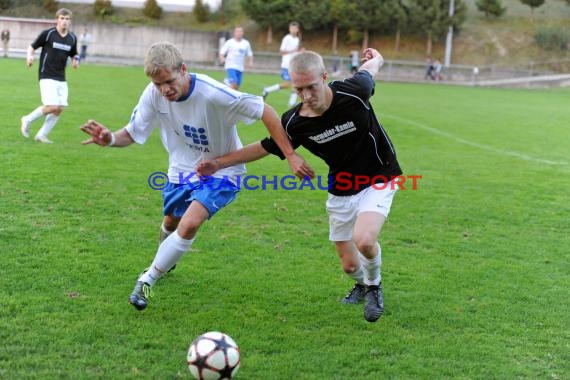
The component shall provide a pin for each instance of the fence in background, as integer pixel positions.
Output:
(125, 45)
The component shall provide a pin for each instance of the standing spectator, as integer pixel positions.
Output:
(436, 70)
(429, 68)
(233, 54)
(354, 61)
(289, 45)
(84, 41)
(58, 44)
(5, 41)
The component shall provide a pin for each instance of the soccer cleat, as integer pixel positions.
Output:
(25, 127)
(355, 296)
(264, 94)
(43, 139)
(139, 296)
(373, 303)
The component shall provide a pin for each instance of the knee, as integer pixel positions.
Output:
(348, 268)
(187, 230)
(366, 245)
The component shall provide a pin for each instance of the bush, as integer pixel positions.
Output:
(552, 38)
(201, 11)
(5, 4)
(103, 8)
(51, 5)
(152, 9)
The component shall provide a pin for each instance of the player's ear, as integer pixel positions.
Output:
(183, 68)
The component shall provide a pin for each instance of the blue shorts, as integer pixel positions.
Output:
(285, 75)
(212, 193)
(234, 76)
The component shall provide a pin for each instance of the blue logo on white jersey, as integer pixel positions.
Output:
(196, 134)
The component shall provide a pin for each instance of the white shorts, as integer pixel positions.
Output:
(54, 92)
(344, 210)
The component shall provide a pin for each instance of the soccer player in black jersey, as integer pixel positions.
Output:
(58, 44)
(336, 122)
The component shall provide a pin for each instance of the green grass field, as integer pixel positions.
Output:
(475, 261)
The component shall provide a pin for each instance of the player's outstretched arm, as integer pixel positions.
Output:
(102, 136)
(251, 152)
(298, 165)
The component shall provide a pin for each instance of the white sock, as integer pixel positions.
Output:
(49, 123)
(273, 88)
(34, 115)
(168, 254)
(358, 274)
(372, 274)
(292, 99)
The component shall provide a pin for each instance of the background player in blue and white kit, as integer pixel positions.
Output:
(336, 122)
(196, 117)
(290, 44)
(58, 44)
(233, 55)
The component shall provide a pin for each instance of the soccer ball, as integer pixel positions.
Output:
(213, 355)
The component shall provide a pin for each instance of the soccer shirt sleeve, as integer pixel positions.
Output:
(143, 118)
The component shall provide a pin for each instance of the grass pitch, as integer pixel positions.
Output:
(475, 261)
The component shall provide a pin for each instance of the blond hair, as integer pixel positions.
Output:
(162, 56)
(307, 62)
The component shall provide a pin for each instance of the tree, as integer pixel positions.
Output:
(152, 9)
(51, 5)
(201, 11)
(491, 7)
(338, 9)
(103, 8)
(6, 4)
(431, 18)
(270, 14)
(532, 4)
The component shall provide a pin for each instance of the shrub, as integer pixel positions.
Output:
(103, 8)
(51, 5)
(552, 38)
(152, 9)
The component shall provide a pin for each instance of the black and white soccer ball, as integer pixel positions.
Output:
(213, 356)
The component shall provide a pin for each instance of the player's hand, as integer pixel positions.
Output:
(207, 168)
(300, 167)
(370, 53)
(99, 134)
(29, 61)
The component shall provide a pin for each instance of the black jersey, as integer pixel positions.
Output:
(348, 137)
(55, 52)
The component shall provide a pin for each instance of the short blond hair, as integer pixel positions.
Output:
(307, 62)
(162, 56)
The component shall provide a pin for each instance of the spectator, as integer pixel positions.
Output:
(84, 41)
(6, 41)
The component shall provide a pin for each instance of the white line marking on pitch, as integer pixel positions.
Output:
(476, 145)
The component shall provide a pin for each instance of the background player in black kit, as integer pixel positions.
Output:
(58, 44)
(336, 122)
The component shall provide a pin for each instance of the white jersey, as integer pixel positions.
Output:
(235, 52)
(200, 126)
(289, 43)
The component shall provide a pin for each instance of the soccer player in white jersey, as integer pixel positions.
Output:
(233, 54)
(196, 117)
(289, 45)
(58, 45)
